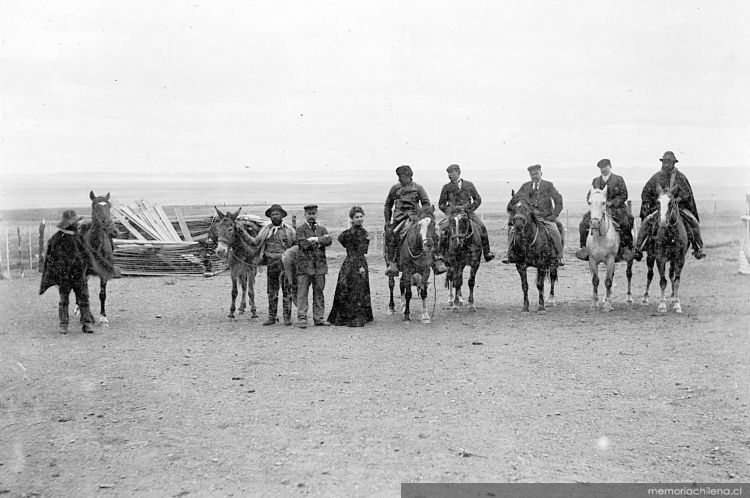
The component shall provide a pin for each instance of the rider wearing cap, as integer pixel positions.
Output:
(617, 196)
(403, 201)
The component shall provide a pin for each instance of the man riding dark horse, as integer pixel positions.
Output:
(617, 196)
(402, 203)
(460, 193)
(667, 177)
(547, 204)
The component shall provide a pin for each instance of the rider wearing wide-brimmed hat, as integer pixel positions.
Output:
(669, 176)
(65, 265)
(403, 201)
(274, 239)
(617, 197)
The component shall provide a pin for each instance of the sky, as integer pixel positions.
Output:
(172, 87)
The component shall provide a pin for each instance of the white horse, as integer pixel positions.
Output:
(603, 243)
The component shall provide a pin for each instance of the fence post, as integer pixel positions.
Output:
(31, 249)
(7, 253)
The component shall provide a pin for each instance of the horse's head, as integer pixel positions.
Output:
(426, 224)
(226, 230)
(666, 205)
(519, 210)
(100, 207)
(459, 227)
(597, 200)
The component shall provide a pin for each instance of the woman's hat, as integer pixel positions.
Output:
(275, 207)
(69, 217)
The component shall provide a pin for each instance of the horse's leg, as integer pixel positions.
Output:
(405, 285)
(676, 306)
(243, 288)
(422, 286)
(661, 266)
(472, 281)
(458, 281)
(251, 293)
(671, 279)
(521, 267)
(552, 279)
(540, 275)
(234, 296)
(594, 268)
(649, 276)
(449, 285)
(629, 275)
(607, 303)
(102, 300)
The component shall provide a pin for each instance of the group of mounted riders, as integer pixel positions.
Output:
(407, 196)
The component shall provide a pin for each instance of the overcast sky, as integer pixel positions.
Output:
(193, 86)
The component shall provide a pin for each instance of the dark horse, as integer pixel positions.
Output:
(97, 240)
(464, 248)
(669, 244)
(243, 258)
(531, 245)
(414, 262)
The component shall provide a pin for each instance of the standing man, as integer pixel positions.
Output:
(274, 239)
(65, 265)
(312, 267)
(462, 193)
(403, 201)
(547, 204)
(669, 176)
(617, 196)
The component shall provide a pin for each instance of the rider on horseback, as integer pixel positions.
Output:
(462, 193)
(547, 204)
(402, 203)
(617, 195)
(667, 177)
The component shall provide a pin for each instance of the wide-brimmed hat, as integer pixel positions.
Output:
(668, 155)
(405, 169)
(603, 163)
(275, 207)
(534, 167)
(69, 217)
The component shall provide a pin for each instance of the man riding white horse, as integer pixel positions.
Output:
(667, 177)
(617, 196)
(402, 203)
(460, 193)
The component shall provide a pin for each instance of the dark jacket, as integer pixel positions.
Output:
(617, 194)
(405, 199)
(311, 258)
(65, 262)
(547, 201)
(683, 191)
(452, 196)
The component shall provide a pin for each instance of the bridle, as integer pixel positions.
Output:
(458, 237)
(597, 223)
(229, 243)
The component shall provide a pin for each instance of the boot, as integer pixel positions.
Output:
(698, 252)
(626, 246)
(287, 312)
(86, 320)
(582, 254)
(488, 254)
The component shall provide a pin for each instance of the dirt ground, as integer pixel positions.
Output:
(175, 399)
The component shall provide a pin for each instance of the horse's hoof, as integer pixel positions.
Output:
(390, 312)
(525, 310)
(629, 299)
(551, 301)
(541, 311)
(230, 315)
(103, 321)
(678, 309)
(426, 321)
(607, 308)
(406, 319)
(662, 308)
(594, 306)
(472, 309)
(644, 301)
(240, 311)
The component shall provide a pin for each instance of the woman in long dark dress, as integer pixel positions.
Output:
(351, 303)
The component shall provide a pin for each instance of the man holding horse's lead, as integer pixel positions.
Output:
(547, 204)
(617, 197)
(669, 177)
(460, 193)
(402, 203)
(274, 239)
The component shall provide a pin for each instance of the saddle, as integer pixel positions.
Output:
(400, 230)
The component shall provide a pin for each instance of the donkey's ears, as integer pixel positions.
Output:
(221, 215)
(106, 197)
(91, 195)
(235, 214)
(512, 193)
